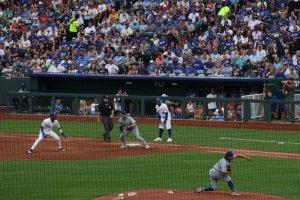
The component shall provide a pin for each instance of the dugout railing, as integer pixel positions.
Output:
(143, 106)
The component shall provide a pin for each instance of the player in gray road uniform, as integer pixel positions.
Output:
(221, 171)
(130, 127)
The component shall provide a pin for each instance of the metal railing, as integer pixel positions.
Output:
(139, 109)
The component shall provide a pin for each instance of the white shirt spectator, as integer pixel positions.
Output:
(52, 31)
(252, 23)
(247, 18)
(294, 28)
(239, 39)
(212, 105)
(193, 16)
(93, 12)
(112, 68)
(52, 69)
(261, 53)
(256, 35)
(88, 30)
(124, 17)
(125, 32)
(2, 52)
(17, 18)
(102, 7)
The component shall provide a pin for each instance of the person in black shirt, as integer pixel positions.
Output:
(105, 113)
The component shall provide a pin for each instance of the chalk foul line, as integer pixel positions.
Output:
(262, 141)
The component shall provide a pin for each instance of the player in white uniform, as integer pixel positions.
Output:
(130, 127)
(221, 171)
(164, 117)
(46, 129)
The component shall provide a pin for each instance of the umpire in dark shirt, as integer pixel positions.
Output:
(105, 113)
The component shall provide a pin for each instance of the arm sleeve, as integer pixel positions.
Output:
(158, 115)
(42, 129)
(166, 116)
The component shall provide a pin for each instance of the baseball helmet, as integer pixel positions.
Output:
(53, 113)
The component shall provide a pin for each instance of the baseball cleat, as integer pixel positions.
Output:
(198, 190)
(29, 151)
(123, 146)
(235, 193)
(169, 140)
(147, 146)
(104, 137)
(61, 149)
(108, 139)
(158, 139)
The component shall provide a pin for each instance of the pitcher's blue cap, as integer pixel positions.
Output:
(229, 154)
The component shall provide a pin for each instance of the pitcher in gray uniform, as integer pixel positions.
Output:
(221, 171)
(129, 124)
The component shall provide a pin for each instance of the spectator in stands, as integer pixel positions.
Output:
(289, 92)
(58, 106)
(211, 105)
(275, 107)
(247, 26)
(94, 107)
(83, 108)
(73, 28)
(118, 103)
(231, 113)
(190, 109)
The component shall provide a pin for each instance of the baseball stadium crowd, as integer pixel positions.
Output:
(215, 38)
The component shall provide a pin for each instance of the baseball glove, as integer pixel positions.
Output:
(228, 168)
(129, 128)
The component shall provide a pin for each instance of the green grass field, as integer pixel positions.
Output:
(23, 179)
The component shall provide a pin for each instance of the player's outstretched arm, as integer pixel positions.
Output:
(243, 156)
(42, 130)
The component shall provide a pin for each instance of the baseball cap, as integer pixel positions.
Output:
(124, 113)
(105, 97)
(229, 154)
